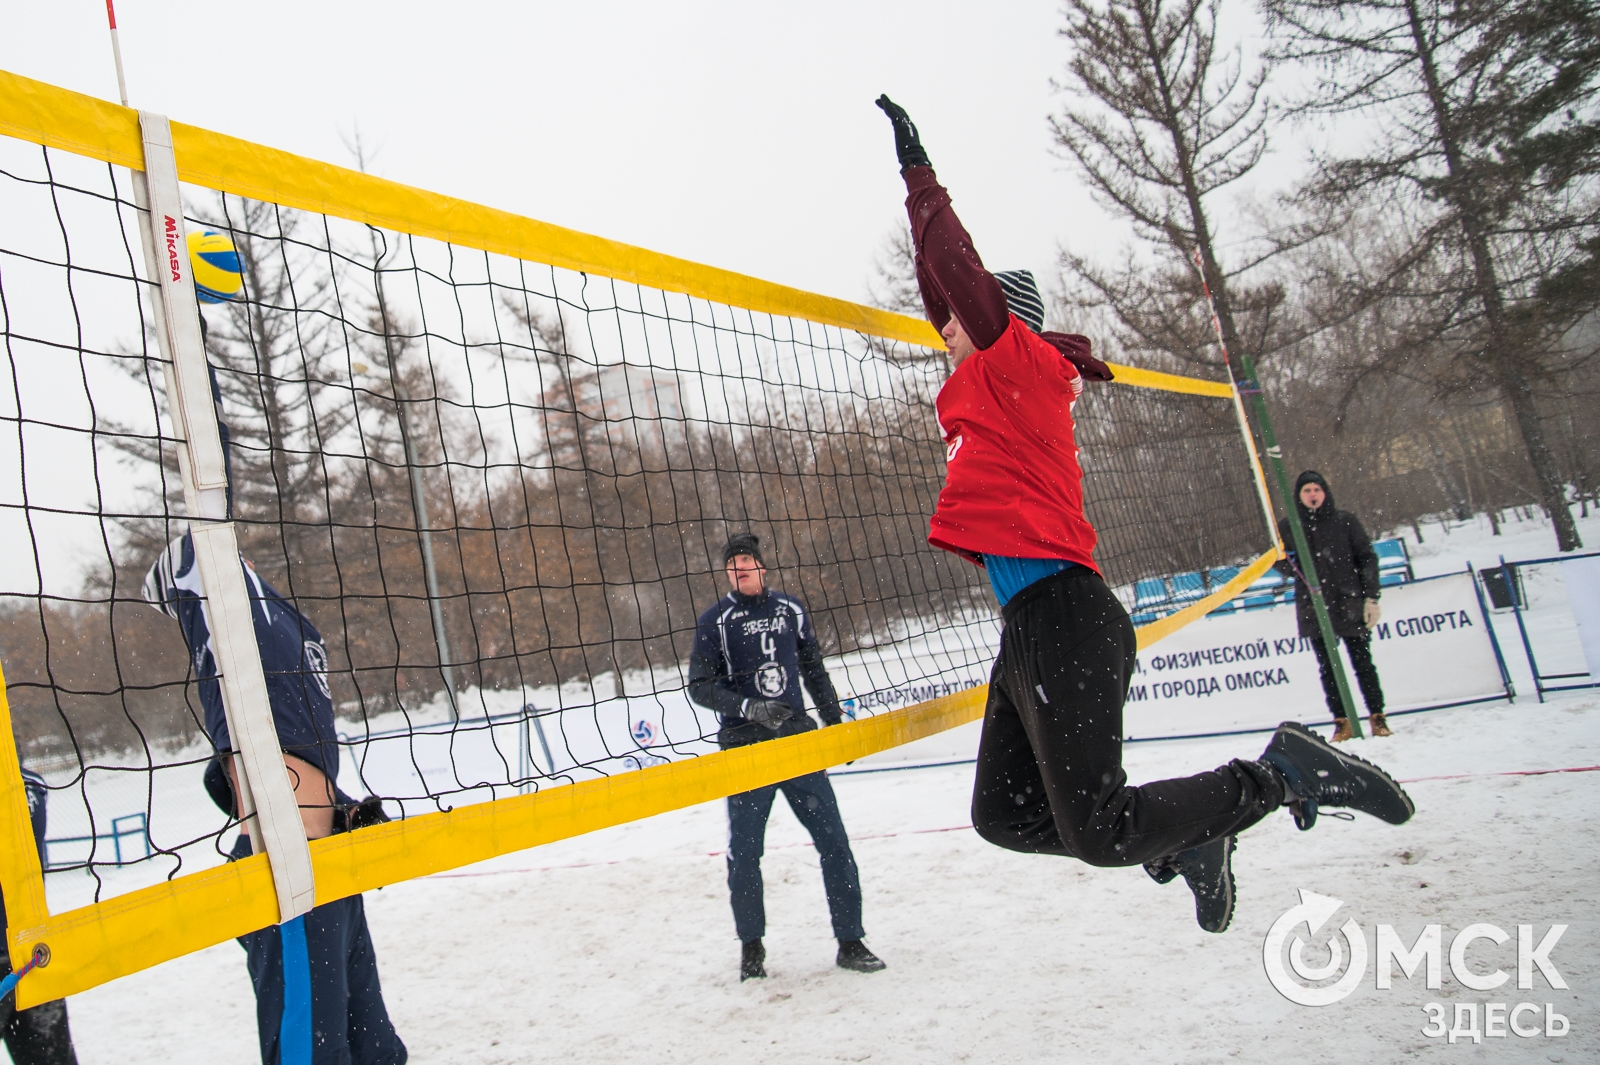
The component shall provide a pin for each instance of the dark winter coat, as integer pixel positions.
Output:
(759, 647)
(1347, 566)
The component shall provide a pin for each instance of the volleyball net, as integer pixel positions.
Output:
(493, 462)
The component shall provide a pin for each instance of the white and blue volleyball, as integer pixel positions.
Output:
(214, 262)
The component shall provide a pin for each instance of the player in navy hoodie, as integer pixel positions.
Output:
(752, 650)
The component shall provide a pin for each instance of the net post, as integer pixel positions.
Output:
(1256, 472)
(1303, 559)
(266, 800)
(21, 875)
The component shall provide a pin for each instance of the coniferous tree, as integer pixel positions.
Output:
(1164, 117)
(1487, 136)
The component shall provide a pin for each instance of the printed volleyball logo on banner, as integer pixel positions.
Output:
(644, 732)
(1313, 912)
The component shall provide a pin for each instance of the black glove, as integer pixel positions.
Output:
(769, 712)
(907, 145)
(368, 811)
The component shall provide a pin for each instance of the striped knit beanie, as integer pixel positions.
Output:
(1022, 297)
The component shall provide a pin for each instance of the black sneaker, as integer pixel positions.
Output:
(1319, 774)
(1208, 870)
(854, 955)
(752, 962)
(1163, 870)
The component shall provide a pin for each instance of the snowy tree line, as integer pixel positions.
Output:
(576, 535)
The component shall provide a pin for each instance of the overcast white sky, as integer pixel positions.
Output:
(737, 134)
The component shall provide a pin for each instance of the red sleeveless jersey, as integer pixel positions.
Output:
(1013, 485)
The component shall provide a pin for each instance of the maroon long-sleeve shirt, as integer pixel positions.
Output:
(1013, 485)
(952, 277)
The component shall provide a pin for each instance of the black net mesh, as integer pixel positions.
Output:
(499, 490)
(1167, 484)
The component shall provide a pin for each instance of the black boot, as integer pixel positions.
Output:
(854, 955)
(1208, 870)
(752, 963)
(1318, 774)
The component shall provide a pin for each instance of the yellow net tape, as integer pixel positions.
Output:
(59, 118)
(93, 944)
(1164, 627)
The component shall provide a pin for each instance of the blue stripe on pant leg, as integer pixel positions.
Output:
(294, 1028)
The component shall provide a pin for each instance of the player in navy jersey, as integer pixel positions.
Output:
(752, 651)
(316, 977)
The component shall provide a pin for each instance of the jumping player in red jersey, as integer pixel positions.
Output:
(1049, 775)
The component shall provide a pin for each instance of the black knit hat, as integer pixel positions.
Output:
(742, 544)
(1313, 477)
(1022, 297)
(1310, 477)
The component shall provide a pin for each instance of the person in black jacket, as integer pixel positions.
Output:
(1347, 569)
(751, 652)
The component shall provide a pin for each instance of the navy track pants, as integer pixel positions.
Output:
(317, 996)
(812, 800)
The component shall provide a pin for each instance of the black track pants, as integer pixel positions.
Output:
(38, 1035)
(1049, 774)
(1360, 648)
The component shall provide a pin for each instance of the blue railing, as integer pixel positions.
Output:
(135, 825)
(1156, 597)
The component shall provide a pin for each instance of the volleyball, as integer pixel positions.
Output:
(216, 266)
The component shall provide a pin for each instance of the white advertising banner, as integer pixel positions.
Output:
(1251, 670)
(1583, 592)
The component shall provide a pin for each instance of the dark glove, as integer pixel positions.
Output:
(368, 811)
(907, 145)
(769, 712)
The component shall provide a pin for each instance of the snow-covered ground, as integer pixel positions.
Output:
(619, 947)
(1448, 546)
